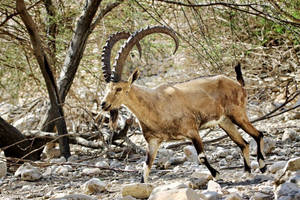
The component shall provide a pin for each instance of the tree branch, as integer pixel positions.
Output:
(48, 76)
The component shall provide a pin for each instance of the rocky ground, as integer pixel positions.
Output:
(95, 174)
(114, 172)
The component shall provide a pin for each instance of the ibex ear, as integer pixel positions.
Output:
(134, 76)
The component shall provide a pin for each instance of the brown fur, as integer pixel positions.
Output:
(177, 111)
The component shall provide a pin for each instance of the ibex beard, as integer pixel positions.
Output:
(178, 111)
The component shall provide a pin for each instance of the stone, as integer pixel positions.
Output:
(191, 153)
(295, 179)
(73, 159)
(3, 165)
(93, 186)
(91, 171)
(254, 165)
(73, 197)
(178, 194)
(102, 164)
(172, 186)
(289, 135)
(137, 190)
(28, 173)
(293, 164)
(269, 145)
(29, 121)
(223, 162)
(127, 198)
(58, 160)
(277, 166)
(233, 196)
(287, 189)
(221, 152)
(163, 160)
(260, 196)
(214, 186)
(199, 180)
(63, 170)
(211, 195)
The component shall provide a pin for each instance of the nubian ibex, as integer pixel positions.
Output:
(177, 111)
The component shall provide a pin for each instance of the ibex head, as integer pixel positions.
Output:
(117, 89)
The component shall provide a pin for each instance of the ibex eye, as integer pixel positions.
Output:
(118, 89)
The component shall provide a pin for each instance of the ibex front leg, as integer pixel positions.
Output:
(152, 148)
(197, 142)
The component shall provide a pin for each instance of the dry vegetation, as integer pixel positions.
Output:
(212, 40)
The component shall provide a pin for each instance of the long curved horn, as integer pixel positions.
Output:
(106, 52)
(134, 38)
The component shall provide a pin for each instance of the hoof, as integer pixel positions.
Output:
(216, 176)
(264, 169)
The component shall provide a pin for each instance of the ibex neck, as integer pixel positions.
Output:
(140, 100)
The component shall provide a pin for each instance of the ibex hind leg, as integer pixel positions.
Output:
(201, 156)
(243, 122)
(235, 136)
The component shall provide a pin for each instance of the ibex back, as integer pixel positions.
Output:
(177, 111)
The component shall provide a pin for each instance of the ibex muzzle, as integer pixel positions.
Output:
(177, 111)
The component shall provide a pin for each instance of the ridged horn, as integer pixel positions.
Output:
(135, 38)
(106, 52)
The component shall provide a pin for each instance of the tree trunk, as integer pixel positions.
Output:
(45, 67)
(84, 28)
(19, 146)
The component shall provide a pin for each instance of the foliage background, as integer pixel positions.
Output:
(212, 40)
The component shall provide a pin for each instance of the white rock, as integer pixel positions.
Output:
(260, 196)
(50, 170)
(72, 197)
(58, 160)
(277, 166)
(223, 162)
(102, 163)
(73, 159)
(94, 185)
(200, 180)
(289, 135)
(191, 153)
(269, 145)
(115, 164)
(286, 190)
(172, 186)
(177, 194)
(293, 164)
(63, 170)
(211, 195)
(164, 156)
(91, 171)
(254, 165)
(29, 121)
(221, 152)
(3, 166)
(137, 190)
(28, 172)
(127, 198)
(214, 186)
(229, 158)
(233, 196)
